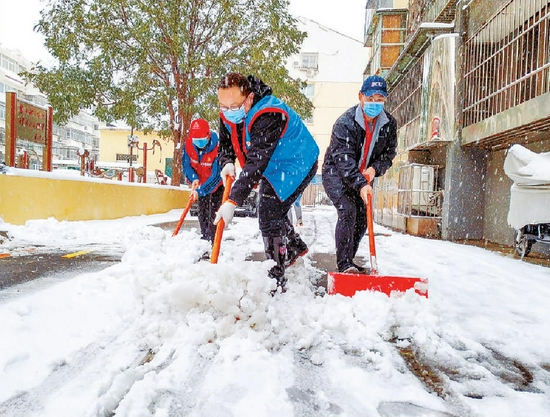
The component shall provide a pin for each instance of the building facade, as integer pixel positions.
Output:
(146, 151)
(472, 79)
(80, 133)
(332, 65)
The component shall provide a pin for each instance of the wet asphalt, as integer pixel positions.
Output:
(25, 264)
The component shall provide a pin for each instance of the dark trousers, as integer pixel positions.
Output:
(208, 206)
(273, 213)
(350, 227)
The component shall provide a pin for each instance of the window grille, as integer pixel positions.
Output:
(506, 61)
(405, 98)
(418, 193)
(309, 61)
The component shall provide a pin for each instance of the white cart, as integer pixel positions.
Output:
(529, 212)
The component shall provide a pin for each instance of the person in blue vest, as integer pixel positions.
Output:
(202, 169)
(275, 149)
(362, 146)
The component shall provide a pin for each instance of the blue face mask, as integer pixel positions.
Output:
(373, 109)
(200, 142)
(235, 116)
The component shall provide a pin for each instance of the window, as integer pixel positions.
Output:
(309, 61)
(308, 91)
(9, 64)
(6, 88)
(75, 135)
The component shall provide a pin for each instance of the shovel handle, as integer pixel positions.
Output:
(182, 218)
(221, 224)
(370, 230)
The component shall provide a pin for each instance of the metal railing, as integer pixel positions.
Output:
(418, 193)
(506, 61)
(404, 99)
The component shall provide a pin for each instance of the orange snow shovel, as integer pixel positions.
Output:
(184, 214)
(348, 284)
(221, 224)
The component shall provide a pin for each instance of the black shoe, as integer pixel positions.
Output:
(294, 250)
(276, 250)
(361, 269)
(281, 284)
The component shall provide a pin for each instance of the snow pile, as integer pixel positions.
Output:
(163, 334)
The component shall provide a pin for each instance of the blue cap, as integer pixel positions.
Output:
(374, 85)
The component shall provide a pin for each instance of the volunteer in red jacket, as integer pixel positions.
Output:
(202, 169)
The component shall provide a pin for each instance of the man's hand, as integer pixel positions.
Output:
(228, 169)
(369, 174)
(194, 185)
(226, 212)
(365, 191)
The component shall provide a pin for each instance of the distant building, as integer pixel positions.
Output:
(332, 64)
(80, 133)
(114, 152)
(385, 33)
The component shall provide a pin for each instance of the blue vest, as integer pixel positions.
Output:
(295, 153)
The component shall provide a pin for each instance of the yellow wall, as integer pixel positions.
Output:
(24, 198)
(401, 4)
(113, 141)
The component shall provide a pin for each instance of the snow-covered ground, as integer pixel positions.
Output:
(160, 334)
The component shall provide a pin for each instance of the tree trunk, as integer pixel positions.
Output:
(176, 167)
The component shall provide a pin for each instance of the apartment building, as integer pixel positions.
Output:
(470, 80)
(81, 132)
(332, 65)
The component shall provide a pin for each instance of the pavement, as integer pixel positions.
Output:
(26, 264)
(29, 263)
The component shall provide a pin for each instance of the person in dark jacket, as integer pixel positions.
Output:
(272, 144)
(362, 146)
(202, 169)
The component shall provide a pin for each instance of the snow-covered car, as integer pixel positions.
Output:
(249, 208)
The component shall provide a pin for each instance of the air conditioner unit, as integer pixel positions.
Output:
(296, 64)
(423, 177)
(310, 72)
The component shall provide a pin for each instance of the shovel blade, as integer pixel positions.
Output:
(349, 284)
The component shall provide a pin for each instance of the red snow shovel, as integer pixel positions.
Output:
(221, 224)
(184, 214)
(348, 284)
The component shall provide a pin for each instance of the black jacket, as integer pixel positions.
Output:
(343, 156)
(269, 128)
